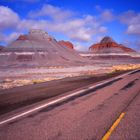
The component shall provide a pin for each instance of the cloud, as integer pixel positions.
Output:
(133, 29)
(9, 38)
(82, 34)
(130, 17)
(8, 18)
(80, 47)
(27, 24)
(98, 8)
(107, 15)
(55, 13)
(132, 20)
(79, 29)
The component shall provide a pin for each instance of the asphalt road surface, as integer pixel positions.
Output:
(87, 115)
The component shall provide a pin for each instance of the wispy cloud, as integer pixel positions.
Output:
(8, 18)
(54, 12)
(132, 20)
(107, 15)
(8, 39)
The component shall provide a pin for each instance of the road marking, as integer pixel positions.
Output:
(39, 107)
(58, 100)
(115, 124)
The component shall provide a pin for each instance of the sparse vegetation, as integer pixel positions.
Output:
(125, 67)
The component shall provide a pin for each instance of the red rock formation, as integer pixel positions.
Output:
(22, 37)
(108, 45)
(66, 44)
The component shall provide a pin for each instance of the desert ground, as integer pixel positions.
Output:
(13, 77)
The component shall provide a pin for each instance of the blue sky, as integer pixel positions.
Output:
(83, 22)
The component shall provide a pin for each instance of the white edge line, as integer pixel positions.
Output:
(58, 100)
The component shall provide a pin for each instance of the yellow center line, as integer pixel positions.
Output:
(115, 124)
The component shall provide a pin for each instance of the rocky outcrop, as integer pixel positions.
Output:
(66, 44)
(108, 45)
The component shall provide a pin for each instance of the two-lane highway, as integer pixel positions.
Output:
(87, 115)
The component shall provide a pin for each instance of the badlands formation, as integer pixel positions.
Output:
(38, 48)
(108, 49)
(108, 45)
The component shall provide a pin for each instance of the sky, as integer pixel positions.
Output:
(83, 22)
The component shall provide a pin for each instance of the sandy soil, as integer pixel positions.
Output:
(14, 77)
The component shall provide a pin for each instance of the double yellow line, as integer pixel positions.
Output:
(115, 124)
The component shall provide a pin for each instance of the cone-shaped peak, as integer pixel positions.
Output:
(107, 39)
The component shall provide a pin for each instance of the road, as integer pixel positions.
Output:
(86, 115)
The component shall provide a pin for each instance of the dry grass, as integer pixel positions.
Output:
(125, 67)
